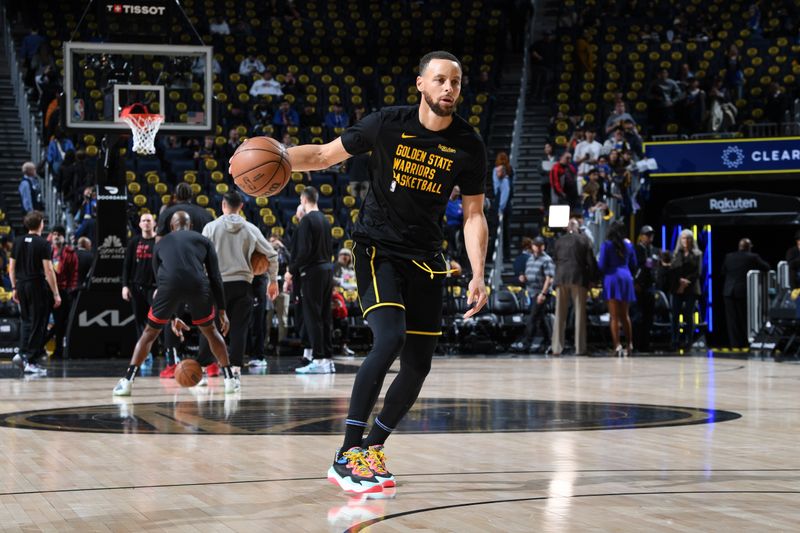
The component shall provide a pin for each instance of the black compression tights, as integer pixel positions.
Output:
(389, 339)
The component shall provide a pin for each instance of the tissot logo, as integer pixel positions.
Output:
(132, 9)
(728, 205)
(107, 319)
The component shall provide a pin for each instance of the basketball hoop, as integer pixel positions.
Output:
(144, 126)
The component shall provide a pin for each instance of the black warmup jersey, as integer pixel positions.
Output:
(312, 244)
(138, 266)
(181, 261)
(28, 252)
(412, 172)
(199, 216)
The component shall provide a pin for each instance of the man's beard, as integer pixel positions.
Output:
(436, 108)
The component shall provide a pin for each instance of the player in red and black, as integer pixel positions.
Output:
(138, 277)
(419, 153)
(187, 273)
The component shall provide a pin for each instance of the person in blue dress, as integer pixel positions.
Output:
(617, 262)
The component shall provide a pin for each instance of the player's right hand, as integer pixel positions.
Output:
(224, 323)
(178, 327)
(126, 294)
(56, 301)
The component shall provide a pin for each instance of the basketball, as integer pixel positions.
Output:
(259, 263)
(188, 373)
(260, 166)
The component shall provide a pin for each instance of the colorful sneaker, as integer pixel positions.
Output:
(377, 463)
(123, 387)
(351, 472)
(212, 370)
(168, 372)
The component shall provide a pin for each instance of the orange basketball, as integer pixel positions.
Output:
(188, 373)
(261, 167)
(259, 263)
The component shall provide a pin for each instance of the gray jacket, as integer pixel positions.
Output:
(235, 240)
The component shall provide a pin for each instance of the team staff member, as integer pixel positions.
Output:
(65, 265)
(312, 250)
(419, 153)
(734, 270)
(31, 271)
(234, 241)
(187, 272)
(138, 278)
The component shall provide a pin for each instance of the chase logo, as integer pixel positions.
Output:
(447, 149)
(732, 157)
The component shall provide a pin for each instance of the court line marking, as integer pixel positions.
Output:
(362, 525)
(420, 474)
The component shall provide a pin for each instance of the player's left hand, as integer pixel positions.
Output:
(178, 327)
(476, 296)
(272, 290)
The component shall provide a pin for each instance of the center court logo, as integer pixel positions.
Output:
(732, 157)
(111, 248)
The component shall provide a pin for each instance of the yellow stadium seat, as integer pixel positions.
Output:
(152, 178)
(139, 200)
(166, 199)
(161, 188)
(196, 188)
(134, 188)
(222, 188)
(202, 200)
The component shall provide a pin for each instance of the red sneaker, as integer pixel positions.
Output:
(212, 370)
(169, 372)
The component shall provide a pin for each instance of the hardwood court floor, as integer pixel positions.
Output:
(189, 474)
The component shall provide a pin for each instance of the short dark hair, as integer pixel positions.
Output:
(61, 230)
(33, 220)
(183, 192)
(233, 199)
(438, 54)
(310, 194)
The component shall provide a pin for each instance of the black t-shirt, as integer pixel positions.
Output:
(181, 261)
(412, 172)
(138, 266)
(199, 216)
(28, 252)
(312, 243)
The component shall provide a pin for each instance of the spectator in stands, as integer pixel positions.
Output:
(503, 183)
(686, 268)
(663, 95)
(694, 107)
(290, 84)
(734, 75)
(281, 304)
(575, 269)
(644, 281)
(285, 116)
(309, 117)
(618, 117)
(593, 205)
(344, 275)
(543, 57)
(65, 265)
(207, 151)
(358, 170)
(225, 151)
(86, 214)
(259, 117)
(584, 53)
(219, 26)
(5, 250)
(339, 314)
(722, 113)
(358, 113)
(548, 161)
(776, 105)
(564, 182)
(454, 213)
(337, 118)
(251, 65)
(266, 85)
(59, 145)
(48, 84)
(525, 251)
(85, 260)
(734, 271)
(30, 189)
(538, 278)
(617, 264)
(615, 141)
(199, 67)
(30, 46)
(64, 178)
(586, 154)
(633, 138)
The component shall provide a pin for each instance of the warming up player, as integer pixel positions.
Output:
(187, 272)
(418, 154)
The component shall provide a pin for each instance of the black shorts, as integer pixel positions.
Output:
(167, 302)
(414, 286)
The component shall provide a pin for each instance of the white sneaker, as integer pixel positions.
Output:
(257, 363)
(33, 368)
(237, 371)
(232, 385)
(347, 351)
(317, 366)
(203, 381)
(123, 387)
(19, 361)
(331, 366)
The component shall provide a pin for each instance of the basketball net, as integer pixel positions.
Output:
(144, 127)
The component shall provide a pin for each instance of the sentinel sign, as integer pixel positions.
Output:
(726, 157)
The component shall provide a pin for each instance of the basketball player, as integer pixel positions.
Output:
(138, 278)
(418, 154)
(187, 272)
